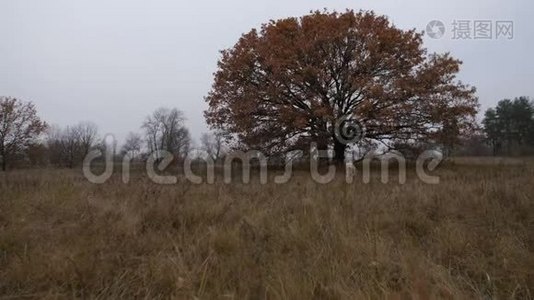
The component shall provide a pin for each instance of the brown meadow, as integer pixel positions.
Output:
(471, 236)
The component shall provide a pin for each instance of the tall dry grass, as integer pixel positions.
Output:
(471, 236)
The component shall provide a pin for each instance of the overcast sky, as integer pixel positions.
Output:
(114, 62)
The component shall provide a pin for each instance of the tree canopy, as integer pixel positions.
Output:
(509, 127)
(296, 80)
(19, 127)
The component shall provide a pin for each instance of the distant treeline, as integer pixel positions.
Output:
(509, 127)
(506, 130)
(26, 141)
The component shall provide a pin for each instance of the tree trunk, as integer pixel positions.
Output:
(3, 154)
(4, 162)
(322, 146)
(339, 151)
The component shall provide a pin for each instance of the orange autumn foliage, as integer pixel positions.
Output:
(286, 85)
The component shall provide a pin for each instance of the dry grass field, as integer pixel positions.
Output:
(471, 236)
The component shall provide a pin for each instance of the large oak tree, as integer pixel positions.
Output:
(297, 79)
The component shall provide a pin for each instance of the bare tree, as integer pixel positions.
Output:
(133, 145)
(69, 146)
(55, 145)
(19, 127)
(213, 144)
(165, 130)
(181, 142)
(107, 145)
(87, 134)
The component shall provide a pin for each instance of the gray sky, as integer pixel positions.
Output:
(114, 62)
